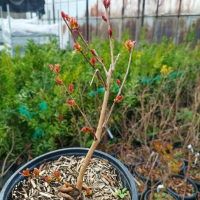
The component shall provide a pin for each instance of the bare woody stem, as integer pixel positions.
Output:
(120, 89)
(86, 120)
(98, 134)
(98, 76)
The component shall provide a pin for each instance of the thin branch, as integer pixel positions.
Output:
(98, 73)
(111, 45)
(98, 76)
(113, 67)
(86, 120)
(96, 55)
(120, 89)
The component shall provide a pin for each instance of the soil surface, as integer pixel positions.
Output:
(179, 186)
(155, 174)
(100, 177)
(194, 173)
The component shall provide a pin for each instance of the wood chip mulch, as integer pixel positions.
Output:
(100, 177)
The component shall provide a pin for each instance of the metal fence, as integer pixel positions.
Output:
(170, 18)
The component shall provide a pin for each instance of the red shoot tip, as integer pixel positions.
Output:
(63, 15)
(118, 99)
(106, 3)
(104, 18)
(71, 103)
(71, 86)
(36, 172)
(93, 60)
(57, 175)
(110, 32)
(75, 31)
(93, 52)
(26, 172)
(118, 82)
(58, 80)
(48, 180)
(86, 130)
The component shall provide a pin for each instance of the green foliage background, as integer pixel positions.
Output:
(27, 82)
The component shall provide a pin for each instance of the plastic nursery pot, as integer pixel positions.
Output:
(186, 197)
(126, 177)
(144, 178)
(149, 191)
(197, 184)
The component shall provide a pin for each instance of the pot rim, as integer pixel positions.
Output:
(53, 155)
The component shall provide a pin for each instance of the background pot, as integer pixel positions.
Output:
(197, 184)
(126, 177)
(149, 191)
(179, 196)
(144, 178)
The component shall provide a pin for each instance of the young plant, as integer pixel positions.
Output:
(72, 25)
(122, 193)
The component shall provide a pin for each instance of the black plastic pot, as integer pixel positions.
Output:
(127, 178)
(149, 191)
(144, 178)
(197, 184)
(179, 196)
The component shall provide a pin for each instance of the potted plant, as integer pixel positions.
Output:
(47, 174)
(194, 174)
(181, 187)
(162, 195)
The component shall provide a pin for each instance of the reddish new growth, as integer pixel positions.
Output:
(75, 31)
(93, 60)
(71, 103)
(106, 3)
(57, 68)
(86, 130)
(77, 47)
(26, 172)
(104, 18)
(93, 52)
(64, 16)
(36, 172)
(57, 175)
(88, 192)
(71, 86)
(48, 179)
(110, 32)
(67, 185)
(73, 23)
(118, 82)
(58, 80)
(118, 99)
(129, 45)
